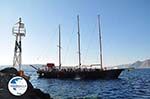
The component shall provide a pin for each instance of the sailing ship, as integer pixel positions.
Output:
(51, 71)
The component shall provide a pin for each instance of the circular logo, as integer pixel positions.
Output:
(17, 86)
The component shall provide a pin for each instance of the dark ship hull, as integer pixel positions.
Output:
(78, 74)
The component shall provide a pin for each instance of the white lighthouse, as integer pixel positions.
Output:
(18, 31)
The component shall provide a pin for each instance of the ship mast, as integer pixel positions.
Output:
(79, 43)
(59, 46)
(100, 43)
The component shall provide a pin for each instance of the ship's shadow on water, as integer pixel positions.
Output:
(130, 85)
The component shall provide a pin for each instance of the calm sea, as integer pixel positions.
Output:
(134, 84)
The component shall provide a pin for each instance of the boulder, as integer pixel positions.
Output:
(31, 93)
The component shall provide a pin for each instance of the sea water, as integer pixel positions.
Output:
(134, 84)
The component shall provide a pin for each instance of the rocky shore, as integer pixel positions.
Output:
(31, 93)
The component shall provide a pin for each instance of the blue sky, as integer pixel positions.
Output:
(125, 26)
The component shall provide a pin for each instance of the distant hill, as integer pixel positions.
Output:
(137, 64)
(141, 64)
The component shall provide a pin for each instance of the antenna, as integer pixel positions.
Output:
(79, 42)
(18, 31)
(100, 42)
